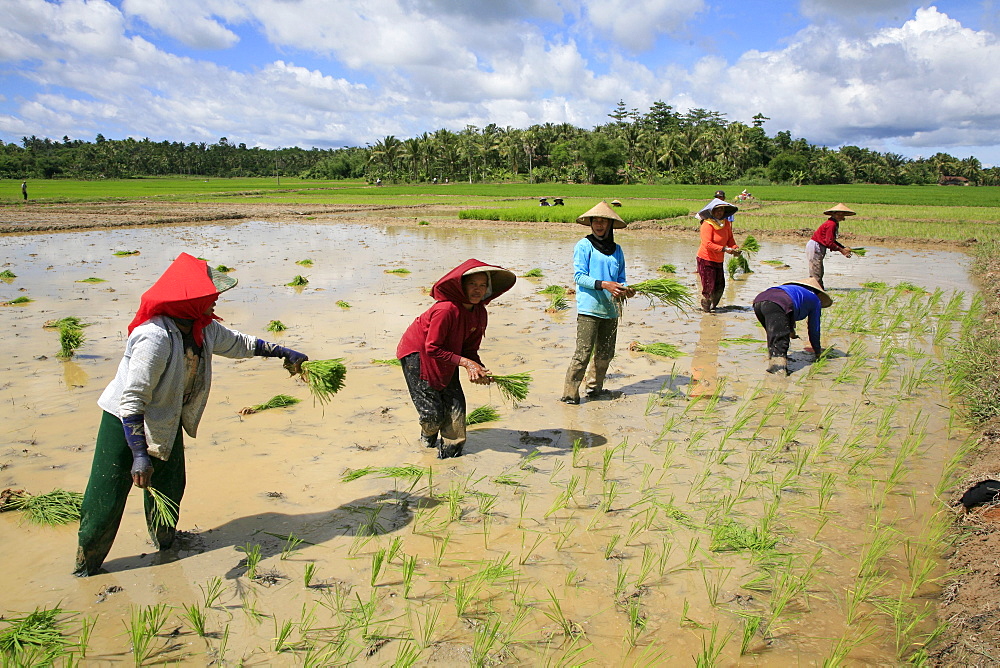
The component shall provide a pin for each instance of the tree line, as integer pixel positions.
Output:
(660, 145)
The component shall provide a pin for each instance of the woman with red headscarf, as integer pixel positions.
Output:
(445, 337)
(161, 386)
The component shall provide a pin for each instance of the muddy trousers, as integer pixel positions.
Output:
(713, 281)
(815, 254)
(778, 325)
(109, 487)
(595, 344)
(439, 411)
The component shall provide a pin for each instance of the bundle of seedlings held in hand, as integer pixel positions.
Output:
(513, 387)
(482, 414)
(165, 510)
(324, 378)
(741, 263)
(667, 291)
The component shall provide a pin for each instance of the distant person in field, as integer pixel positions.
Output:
(447, 336)
(721, 194)
(24, 190)
(599, 274)
(824, 239)
(716, 241)
(779, 308)
(159, 392)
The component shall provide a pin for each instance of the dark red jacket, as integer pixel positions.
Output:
(826, 235)
(447, 331)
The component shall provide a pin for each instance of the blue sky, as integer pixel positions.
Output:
(892, 75)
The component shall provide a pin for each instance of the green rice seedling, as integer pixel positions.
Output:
(609, 549)
(646, 566)
(465, 592)
(569, 628)
(714, 582)
(735, 537)
(298, 281)
(907, 286)
(378, 561)
(324, 378)
(92, 279)
(666, 291)
(281, 634)
(621, 581)
(738, 264)
(564, 535)
(87, 625)
(441, 548)
(304, 263)
(485, 639)
(712, 648)
(508, 479)
(398, 270)
(863, 589)
(291, 546)
(423, 626)
(423, 222)
(667, 269)
(276, 326)
(860, 252)
(195, 618)
(224, 269)
(407, 569)
(7, 275)
(68, 321)
(389, 362)
(253, 556)
(52, 508)
(853, 638)
(533, 273)
(485, 413)
(343, 304)
(37, 638)
(557, 303)
(277, 401)
(144, 624)
(553, 290)
(211, 591)
(18, 300)
(123, 253)
(659, 349)
(164, 510)
(752, 624)
(308, 574)
(608, 496)
(513, 387)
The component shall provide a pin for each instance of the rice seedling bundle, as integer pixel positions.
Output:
(668, 291)
(53, 508)
(391, 362)
(557, 303)
(276, 326)
(342, 304)
(661, 349)
(277, 401)
(482, 414)
(224, 269)
(70, 338)
(324, 378)
(513, 387)
(860, 252)
(92, 279)
(165, 511)
(40, 629)
(298, 281)
(7, 274)
(552, 290)
(305, 263)
(68, 321)
(406, 472)
(750, 244)
(532, 273)
(667, 269)
(123, 253)
(18, 300)
(737, 264)
(774, 263)
(398, 270)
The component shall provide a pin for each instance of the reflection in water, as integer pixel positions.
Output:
(704, 362)
(74, 375)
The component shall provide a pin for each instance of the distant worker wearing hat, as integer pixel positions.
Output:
(159, 392)
(716, 241)
(824, 239)
(599, 274)
(721, 194)
(779, 308)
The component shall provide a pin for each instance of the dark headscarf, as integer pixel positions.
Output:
(606, 245)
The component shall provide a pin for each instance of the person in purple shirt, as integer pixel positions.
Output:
(780, 307)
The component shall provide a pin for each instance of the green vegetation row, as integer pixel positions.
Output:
(569, 214)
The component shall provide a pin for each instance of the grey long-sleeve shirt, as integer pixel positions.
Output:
(151, 379)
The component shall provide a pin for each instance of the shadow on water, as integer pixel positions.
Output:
(379, 514)
(548, 441)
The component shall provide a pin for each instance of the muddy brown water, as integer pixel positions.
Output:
(673, 475)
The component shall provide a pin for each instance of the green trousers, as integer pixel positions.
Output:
(108, 488)
(595, 345)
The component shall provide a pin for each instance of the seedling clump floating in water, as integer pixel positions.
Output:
(342, 304)
(533, 273)
(298, 281)
(92, 279)
(276, 326)
(398, 270)
(277, 401)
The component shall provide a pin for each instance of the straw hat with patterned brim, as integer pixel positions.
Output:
(602, 210)
(501, 280)
(811, 283)
(221, 280)
(840, 208)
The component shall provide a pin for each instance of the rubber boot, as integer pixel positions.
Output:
(778, 365)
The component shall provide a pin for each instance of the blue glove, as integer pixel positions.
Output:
(293, 358)
(135, 436)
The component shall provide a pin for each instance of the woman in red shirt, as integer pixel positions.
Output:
(716, 240)
(824, 239)
(445, 337)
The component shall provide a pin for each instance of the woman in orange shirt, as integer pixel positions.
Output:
(716, 240)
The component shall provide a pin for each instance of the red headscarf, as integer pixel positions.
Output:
(184, 291)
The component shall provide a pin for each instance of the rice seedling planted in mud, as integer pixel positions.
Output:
(277, 401)
(298, 281)
(513, 387)
(482, 414)
(659, 349)
(144, 624)
(195, 618)
(164, 509)
(324, 377)
(667, 291)
(52, 508)
(252, 550)
(212, 590)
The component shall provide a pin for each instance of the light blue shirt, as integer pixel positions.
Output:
(590, 265)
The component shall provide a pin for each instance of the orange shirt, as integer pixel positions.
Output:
(713, 240)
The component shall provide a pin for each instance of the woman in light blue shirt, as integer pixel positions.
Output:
(599, 274)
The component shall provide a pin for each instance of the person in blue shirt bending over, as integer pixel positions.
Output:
(599, 274)
(779, 308)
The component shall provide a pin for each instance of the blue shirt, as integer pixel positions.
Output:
(591, 265)
(804, 306)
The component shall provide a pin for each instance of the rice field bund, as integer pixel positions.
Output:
(711, 515)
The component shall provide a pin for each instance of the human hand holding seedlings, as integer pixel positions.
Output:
(293, 358)
(478, 374)
(135, 437)
(846, 252)
(732, 250)
(616, 289)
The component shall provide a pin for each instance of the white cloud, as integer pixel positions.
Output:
(636, 24)
(187, 21)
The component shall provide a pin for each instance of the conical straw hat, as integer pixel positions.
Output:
(811, 283)
(840, 208)
(602, 210)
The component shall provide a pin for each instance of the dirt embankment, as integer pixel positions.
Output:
(970, 602)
